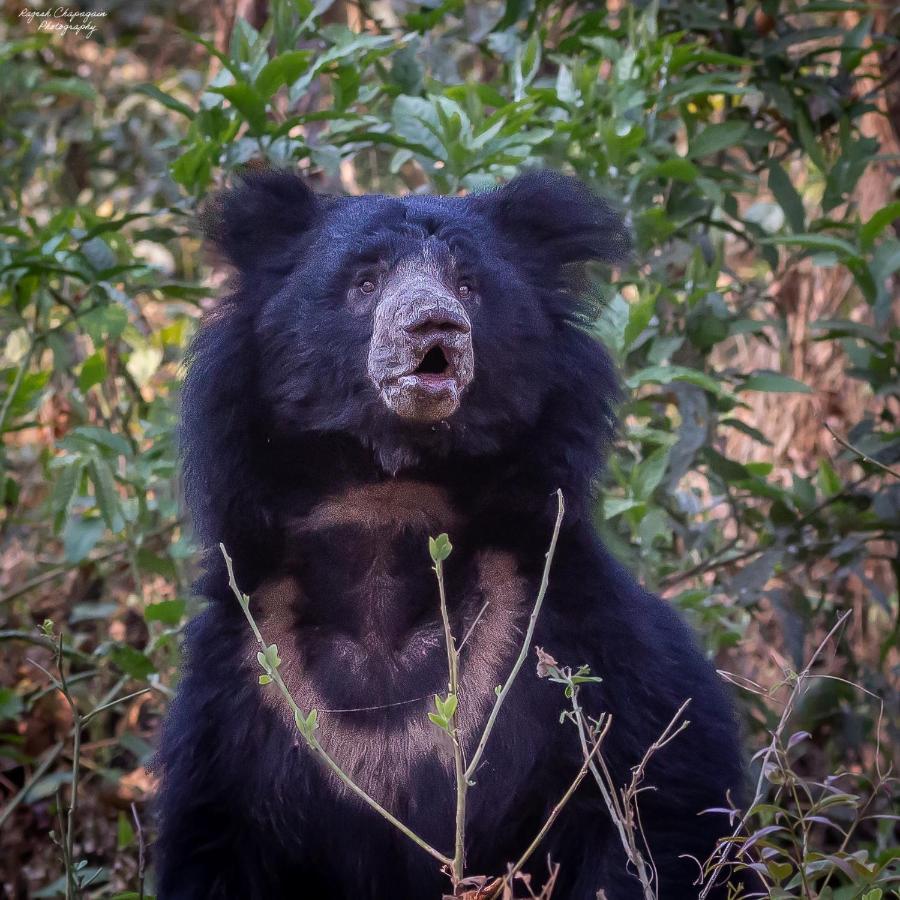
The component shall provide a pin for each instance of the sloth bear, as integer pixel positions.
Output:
(386, 369)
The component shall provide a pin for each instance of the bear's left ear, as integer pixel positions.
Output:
(257, 222)
(557, 216)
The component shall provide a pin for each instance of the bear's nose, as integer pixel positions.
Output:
(437, 318)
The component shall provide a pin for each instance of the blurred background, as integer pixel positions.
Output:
(755, 149)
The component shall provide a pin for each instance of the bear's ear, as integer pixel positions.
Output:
(256, 223)
(558, 216)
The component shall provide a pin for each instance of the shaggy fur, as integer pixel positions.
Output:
(325, 498)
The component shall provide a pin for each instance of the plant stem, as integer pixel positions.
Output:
(864, 456)
(98, 709)
(17, 383)
(526, 644)
(67, 840)
(60, 570)
(50, 758)
(720, 857)
(310, 738)
(554, 813)
(141, 848)
(459, 762)
(620, 816)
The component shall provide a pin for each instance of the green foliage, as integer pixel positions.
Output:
(736, 152)
(439, 548)
(444, 711)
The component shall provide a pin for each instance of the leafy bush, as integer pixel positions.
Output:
(760, 313)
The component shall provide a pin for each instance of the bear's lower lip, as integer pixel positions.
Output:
(429, 383)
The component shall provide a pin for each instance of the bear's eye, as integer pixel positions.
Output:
(464, 290)
(367, 286)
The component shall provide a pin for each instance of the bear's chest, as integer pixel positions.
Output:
(356, 618)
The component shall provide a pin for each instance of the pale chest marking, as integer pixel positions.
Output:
(378, 751)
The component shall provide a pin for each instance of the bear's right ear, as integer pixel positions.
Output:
(257, 222)
(556, 217)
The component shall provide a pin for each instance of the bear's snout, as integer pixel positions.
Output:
(420, 357)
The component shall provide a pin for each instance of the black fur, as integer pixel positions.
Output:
(278, 415)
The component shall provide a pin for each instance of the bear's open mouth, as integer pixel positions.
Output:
(433, 363)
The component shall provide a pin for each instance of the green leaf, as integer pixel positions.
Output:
(879, 221)
(80, 536)
(446, 707)
(124, 832)
(148, 561)
(131, 661)
(10, 703)
(265, 679)
(668, 374)
(105, 492)
(247, 102)
(167, 100)
(786, 194)
(283, 69)
(308, 724)
(676, 168)
(104, 324)
(106, 440)
(649, 473)
(774, 382)
(717, 137)
(64, 487)
(829, 480)
(615, 506)
(192, 169)
(73, 87)
(168, 612)
(724, 467)
(439, 548)
(93, 371)
(639, 316)
(814, 242)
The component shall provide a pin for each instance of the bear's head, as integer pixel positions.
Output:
(420, 328)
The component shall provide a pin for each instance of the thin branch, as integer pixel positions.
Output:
(308, 734)
(459, 762)
(52, 755)
(40, 640)
(526, 643)
(619, 812)
(58, 571)
(864, 456)
(141, 850)
(720, 856)
(477, 619)
(86, 718)
(554, 813)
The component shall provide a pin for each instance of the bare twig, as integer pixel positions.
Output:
(459, 762)
(306, 724)
(59, 571)
(98, 709)
(719, 858)
(41, 640)
(621, 804)
(51, 756)
(860, 454)
(526, 643)
(141, 850)
(77, 723)
(476, 620)
(554, 813)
